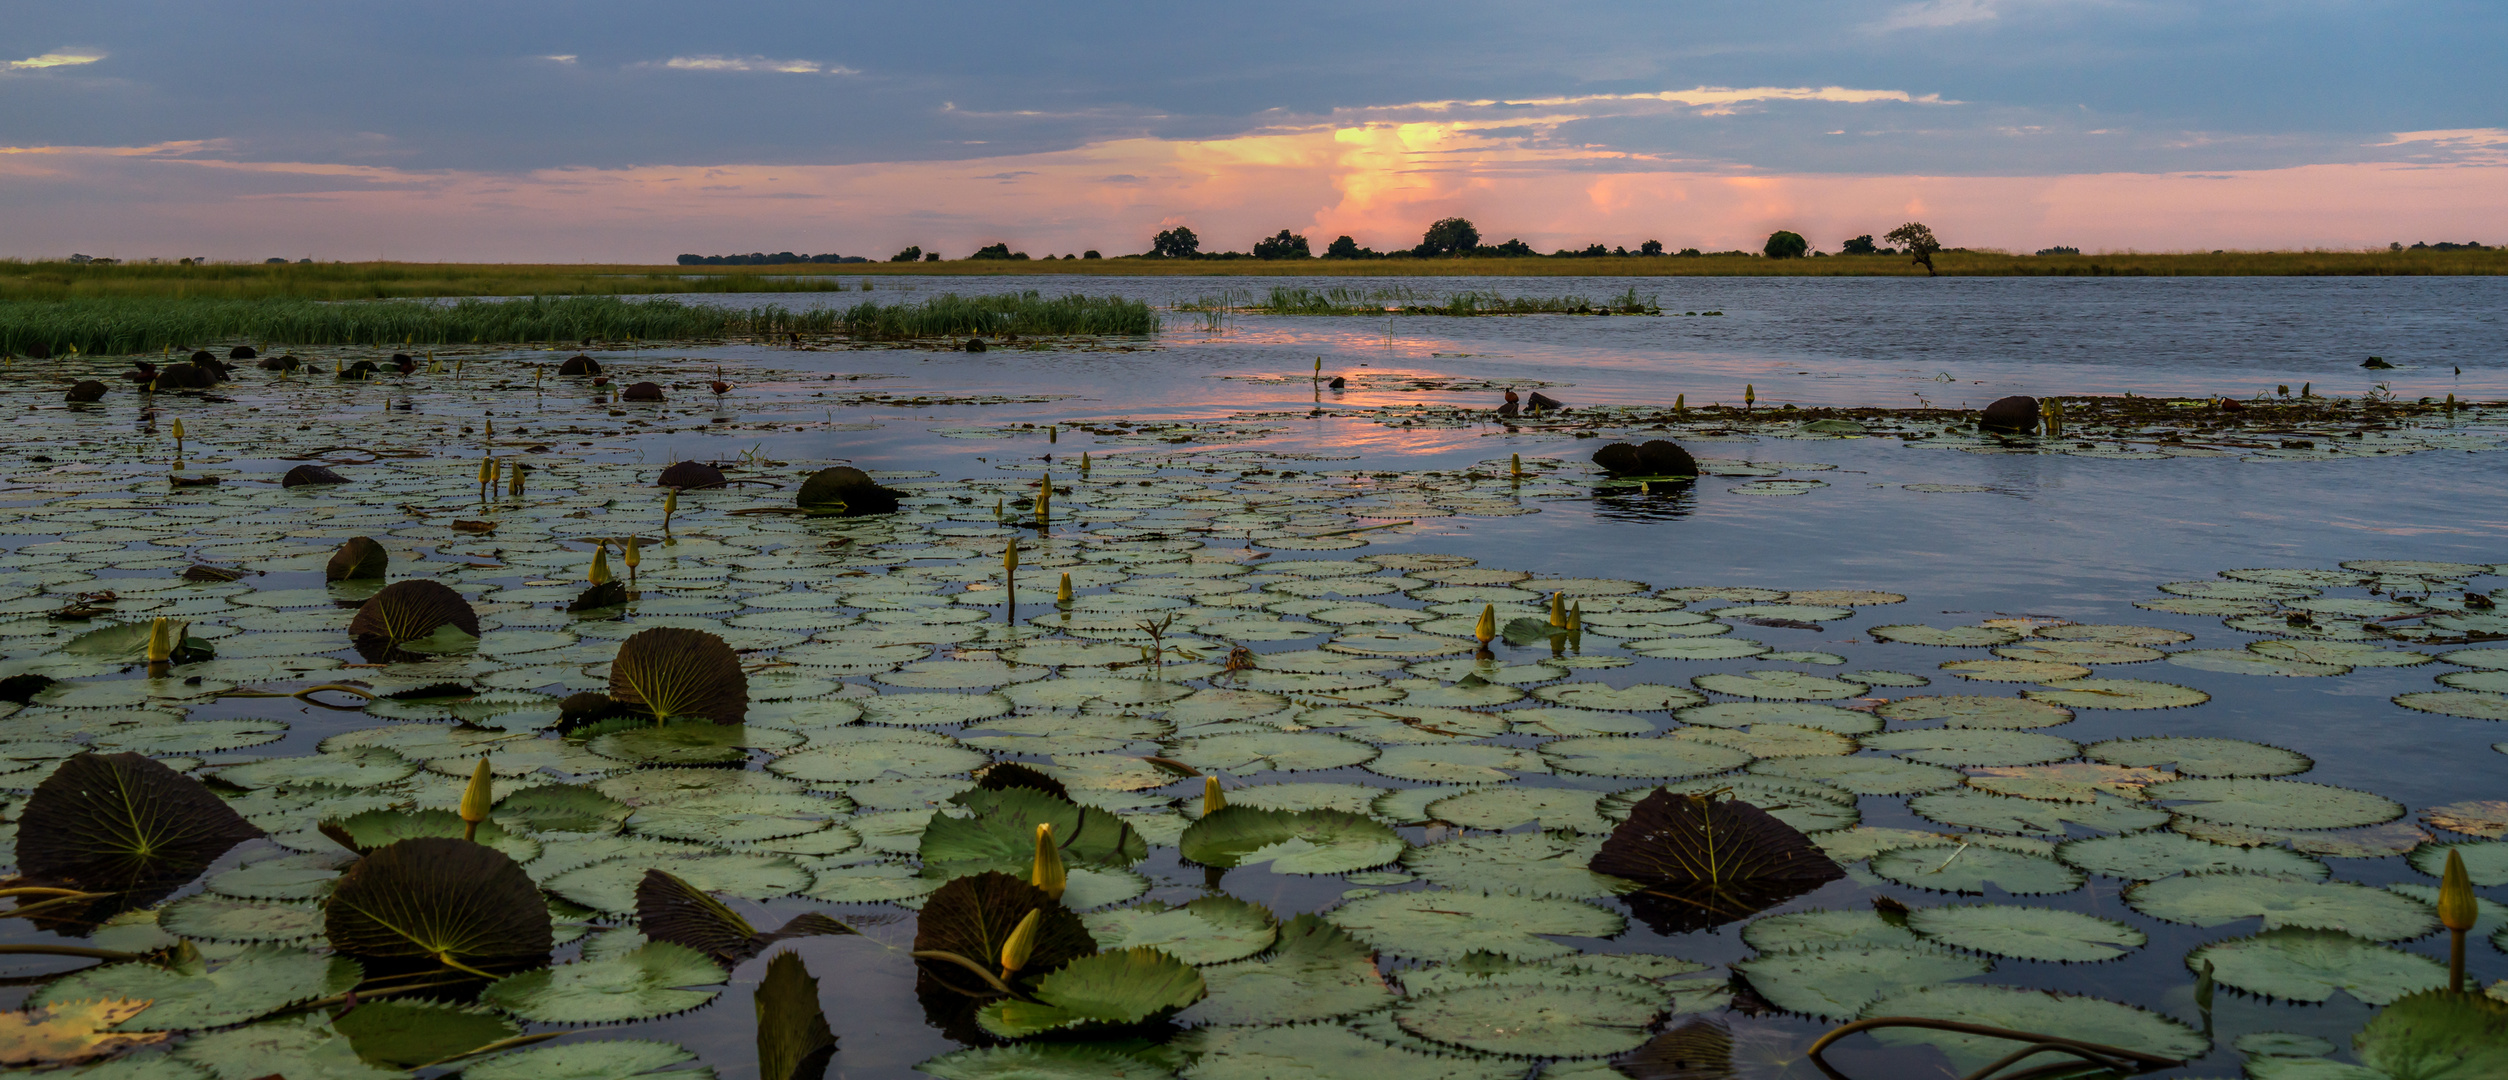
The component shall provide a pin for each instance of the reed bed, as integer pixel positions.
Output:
(147, 324)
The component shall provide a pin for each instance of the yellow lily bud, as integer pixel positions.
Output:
(1319, 367)
(1084, 464)
(2456, 908)
(1515, 464)
(635, 553)
(1212, 800)
(670, 505)
(1062, 595)
(496, 470)
(1053, 433)
(1022, 943)
(477, 798)
(1487, 627)
(491, 432)
(163, 636)
(483, 470)
(1680, 404)
(178, 421)
(999, 504)
(1576, 616)
(1010, 557)
(1044, 496)
(1047, 873)
(1558, 610)
(1750, 395)
(600, 572)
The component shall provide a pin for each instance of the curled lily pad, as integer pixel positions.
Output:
(670, 909)
(372, 830)
(440, 899)
(1721, 858)
(406, 612)
(124, 823)
(649, 981)
(673, 672)
(2309, 965)
(1290, 842)
(1115, 988)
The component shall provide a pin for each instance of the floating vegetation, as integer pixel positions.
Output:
(1268, 781)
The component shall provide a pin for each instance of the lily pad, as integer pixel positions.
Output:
(2438, 1036)
(2117, 694)
(1812, 931)
(261, 979)
(1524, 864)
(1780, 686)
(641, 984)
(1973, 746)
(1949, 637)
(1862, 775)
(2218, 899)
(1325, 1052)
(1114, 988)
(439, 897)
(1836, 983)
(2274, 804)
(2006, 814)
(1442, 924)
(2086, 1018)
(2159, 853)
(599, 1059)
(2205, 757)
(2310, 965)
(1532, 1021)
(1316, 972)
(1971, 868)
(1976, 711)
(1735, 714)
(1640, 758)
(1207, 930)
(1290, 842)
(2026, 933)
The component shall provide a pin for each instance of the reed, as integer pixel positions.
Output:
(138, 324)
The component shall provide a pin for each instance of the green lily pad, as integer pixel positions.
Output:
(644, 983)
(1973, 809)
(1969, 870)
(2485, 863)
(302, 1046)
(1836, 983)
(2274, 804)
(1532, 1021)
(209, 917)
(600, 1059)
(1976, 711)
(1325, 1052)
(2471, 706)
(1505, 807)
(2026, 933)
(2204, 757)
(1457, 763)
(1974, 746)
(737, 817)
(2085, 1018)
(1521, 864)
(261, 979)
(1862, 775)
(1315, 972)
(1736, 714)
(1644, 697)
(358, 768)
(2159, 853)
(1043, 1061)
(854, 755)
(610, 885)
(2338, 653)
(1642, 758)
(2309, 965)
(561, 808)
(696, 742)
(2242, 662)
(1284, 751)
(1949, 637)
(2438, 1036)
(2219, 899)
(405, 1034)
(1117, 987)
(1811, 931)
(2117, 694)
(1208, 930)
(1443, 924)
(1780, 686)
(1290, 842)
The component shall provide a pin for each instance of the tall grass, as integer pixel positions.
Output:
(383, 281)
(147, 324)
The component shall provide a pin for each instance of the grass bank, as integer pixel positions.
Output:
(139, 324)
(386, 280)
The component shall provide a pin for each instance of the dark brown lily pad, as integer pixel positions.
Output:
(691, 475)
(86, 391)
(440, 899)
(842, 491)
(404, 611)
(643, 391)
(310, 474)
(972, 917)
(579, 364)
(360, 559)
(124, 823)
(675, 673)
(1706, 861)
(670, 909)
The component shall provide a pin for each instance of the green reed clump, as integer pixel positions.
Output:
(1029, 313)
(386, 281)
(147, 324)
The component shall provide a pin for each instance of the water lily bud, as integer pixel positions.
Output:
(1487, 627)
(1558, 610)
(600, 572)
(1084, 464)
(1750, 395)
(1053, 433)
(1680, 404)
(1044, 496)
(1515, 464)
(163, 635)
(1022, 944)
(1047, 873)
(1010, 557)
(670, 505)
(1212, 800)
(1062, 595)
(634, 554)
(477, 798)
(483, 470)
(1576, 616)
(178, 421)
(2456, 908)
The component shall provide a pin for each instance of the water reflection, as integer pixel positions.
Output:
(1646, 500)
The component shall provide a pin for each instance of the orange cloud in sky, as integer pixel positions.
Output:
(1381, 181)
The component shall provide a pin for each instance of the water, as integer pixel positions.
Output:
(2051, 536)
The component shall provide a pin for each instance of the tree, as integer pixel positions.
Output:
(1343, 248)
(1650, 247)
(1861, 245)
(1918, 241)
(1091, 254)
(912, 254)
(1786, 245)
(1451, 236)
(1512, 248)
(997, 251)
(1175, 243)
(1287, 245)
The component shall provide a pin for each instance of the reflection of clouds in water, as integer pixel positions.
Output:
(1661, 500)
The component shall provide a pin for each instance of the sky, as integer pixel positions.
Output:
(625, 131)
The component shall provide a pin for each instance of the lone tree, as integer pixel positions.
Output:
(1917, 240)
(1176, 243)
(1861, 245)
(1650, 248)
(1786, 245)
(1287, 245)
(1452, 236)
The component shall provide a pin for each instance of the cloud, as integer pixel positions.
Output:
(62, 58)
(2469, 146)
(563, 58)
(1696, 97)
(710, 62)
(1937, 14)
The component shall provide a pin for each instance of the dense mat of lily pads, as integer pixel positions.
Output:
(1458, 798)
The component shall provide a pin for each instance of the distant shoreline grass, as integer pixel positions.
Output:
(390, 280)
(141, 324)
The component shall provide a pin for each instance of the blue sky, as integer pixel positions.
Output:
(419, 92)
